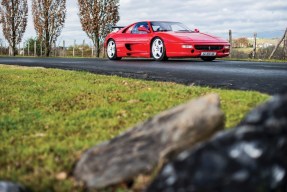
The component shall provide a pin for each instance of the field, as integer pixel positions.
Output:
(48, 117)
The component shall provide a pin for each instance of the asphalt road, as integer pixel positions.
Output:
(265, 77)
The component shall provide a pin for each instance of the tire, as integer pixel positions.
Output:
(112, 50)
(158, 51)
(207, 58)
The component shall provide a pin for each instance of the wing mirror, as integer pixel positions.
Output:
(196, 30)
(143, 29)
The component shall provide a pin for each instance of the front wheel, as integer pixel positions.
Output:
(207, 58)
(112, 50)
(158, 50)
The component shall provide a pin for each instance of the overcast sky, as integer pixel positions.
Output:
(266, 17)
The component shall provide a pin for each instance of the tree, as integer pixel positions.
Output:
(96, 17)
(241, 42)
(49, 18)
(13, 17)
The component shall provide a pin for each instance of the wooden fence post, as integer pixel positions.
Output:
(23, 48)
(83, 48)
(74, 48)
(35, 48)
(92, 50)
(285, 46)
(254, 46)
(64, 49)
(230, 41)
(276, 47)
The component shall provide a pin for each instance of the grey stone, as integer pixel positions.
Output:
(6, 186)
(145, 146)
(252, 157)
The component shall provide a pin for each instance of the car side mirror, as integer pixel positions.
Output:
(196, 30)
(143, 29)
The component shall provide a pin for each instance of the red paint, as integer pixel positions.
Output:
(129, 44)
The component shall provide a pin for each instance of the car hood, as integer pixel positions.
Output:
(198, 37)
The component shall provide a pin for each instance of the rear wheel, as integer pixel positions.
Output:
(207, 58)
(112, 50)
(158, 50)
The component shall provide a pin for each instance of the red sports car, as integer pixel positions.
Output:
(162, 40)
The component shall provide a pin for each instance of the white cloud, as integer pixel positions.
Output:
(244, 17)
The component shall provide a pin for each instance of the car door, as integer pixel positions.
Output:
(137, 41)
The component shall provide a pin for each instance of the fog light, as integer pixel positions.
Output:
(226, 47)
(187, 46)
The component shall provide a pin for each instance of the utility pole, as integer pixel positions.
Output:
(254, 46)
(230, 41)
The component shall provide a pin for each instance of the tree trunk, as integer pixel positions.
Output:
(98, 47)
(96, 42)
(13, 49)
(48, 49)
(13, 31)
(47, 35)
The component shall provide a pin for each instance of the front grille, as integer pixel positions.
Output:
(208, 47)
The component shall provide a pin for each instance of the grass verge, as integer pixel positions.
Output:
(48, 117)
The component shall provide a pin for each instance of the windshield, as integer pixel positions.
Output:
(169, 26)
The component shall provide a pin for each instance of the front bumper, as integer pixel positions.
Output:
(184, 50)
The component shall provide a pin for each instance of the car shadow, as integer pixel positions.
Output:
(173, 60)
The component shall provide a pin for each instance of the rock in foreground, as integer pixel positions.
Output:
(140, 149)
(6, 186)
(249, 158)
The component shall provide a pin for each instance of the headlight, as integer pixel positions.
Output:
(226, 47)
(187, 46)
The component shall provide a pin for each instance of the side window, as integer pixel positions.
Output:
(141, 24)
(129, 30)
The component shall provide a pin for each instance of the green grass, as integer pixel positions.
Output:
(49, 117)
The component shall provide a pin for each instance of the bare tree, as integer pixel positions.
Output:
(96, 16)
(49, 18)
(13, 17)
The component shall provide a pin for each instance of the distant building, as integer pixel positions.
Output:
(264, 45)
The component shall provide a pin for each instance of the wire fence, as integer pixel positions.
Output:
(36, 49)
(257, 48)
